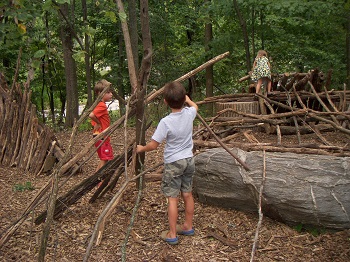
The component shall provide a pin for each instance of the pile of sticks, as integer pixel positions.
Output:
(282, 113)
(25, 143)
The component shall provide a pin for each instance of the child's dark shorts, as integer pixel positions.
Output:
(105, 151)
(178, 176)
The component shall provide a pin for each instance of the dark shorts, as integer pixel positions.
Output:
(105, 151)
(178, 176)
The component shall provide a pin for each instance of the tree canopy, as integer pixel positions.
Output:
(298, 36)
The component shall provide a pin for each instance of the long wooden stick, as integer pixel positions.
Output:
(278, 129)
(261, 215)
(222, 144)
(189, 74)
(322, 103)
(110, 206)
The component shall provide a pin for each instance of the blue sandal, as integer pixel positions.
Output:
(170, 241)
(180, 231)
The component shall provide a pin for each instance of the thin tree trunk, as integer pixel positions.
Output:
(70, 71)
(245, 35)
(129, 53)
(209, 75)
(120, 87)
(87, 57)
(134, 37)
(262, 31)
(50, 67)
(42, 90)
(253, 30)
(143, 79)
(348, 50)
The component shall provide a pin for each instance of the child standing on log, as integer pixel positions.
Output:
(176, 129)
(261, 71)
(100, 121)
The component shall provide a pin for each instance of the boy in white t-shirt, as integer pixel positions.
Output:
(176, 129)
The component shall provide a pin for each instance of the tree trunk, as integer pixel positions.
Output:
(245, 35)
(299, 188)
(50, 69)
(72, 108)
(42, 90)
(120, 86)
(262, 31)
(253, 30)
(87, 57)
(209, 75)
(348, 51)
(134, 37)
(128, 48)
(143, 80)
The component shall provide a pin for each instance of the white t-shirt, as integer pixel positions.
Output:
(176, 129)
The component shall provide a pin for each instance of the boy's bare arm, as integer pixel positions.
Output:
(152, 145)
(191, 103)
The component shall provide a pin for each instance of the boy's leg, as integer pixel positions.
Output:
(105, 153)
(186, 193)
(172, 215)
(101, 163)
(189, 210)
(171, 183)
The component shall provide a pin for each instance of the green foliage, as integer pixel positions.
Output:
(85, 126)
(298, 35)
(23, 187)
(303, 35)
(313, 230)
(114, 115)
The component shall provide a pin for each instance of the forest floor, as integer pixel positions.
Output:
(70, 234)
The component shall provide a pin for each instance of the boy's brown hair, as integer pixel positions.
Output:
(100, 85)
(175, 95)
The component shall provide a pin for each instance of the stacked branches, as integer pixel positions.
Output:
(296, 110)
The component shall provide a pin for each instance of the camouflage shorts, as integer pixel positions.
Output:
(178, 177)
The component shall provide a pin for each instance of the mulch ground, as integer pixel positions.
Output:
(221, 234)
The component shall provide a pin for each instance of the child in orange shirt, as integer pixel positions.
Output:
(101, 121)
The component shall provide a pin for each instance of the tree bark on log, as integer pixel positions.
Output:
(299, 188)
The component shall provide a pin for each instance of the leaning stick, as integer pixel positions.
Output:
(111, 205)
(261, 215)
(322, 103)
(212, 61)
(278, 129)
(222, 144)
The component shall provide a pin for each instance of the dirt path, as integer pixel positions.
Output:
(232, 239)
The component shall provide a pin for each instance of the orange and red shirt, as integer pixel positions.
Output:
(101, 113)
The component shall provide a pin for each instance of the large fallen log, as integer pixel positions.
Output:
(299, 188)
